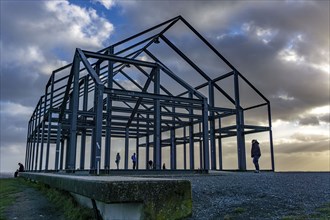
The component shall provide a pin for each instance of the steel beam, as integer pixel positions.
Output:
(98, 106)
(126, 148)
(50, 119)
(74, 105)
(58, 143)
(191, 138)
(62, 154)
(173, 150)
(205, 135)
(38, 132)
(271, 138)
(184, 148)
(83, 133)
(212, 126)
(220, 146)
(157, 121)
(107, 153)
(239, 127)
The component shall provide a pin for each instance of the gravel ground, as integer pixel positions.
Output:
(222, 195)
(266, 195)
(31, 204)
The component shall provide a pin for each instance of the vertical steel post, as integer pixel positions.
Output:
(67, 152)
(43, 128)
(62, 153)
(220, 146)
(184, 148)
(200, 146)
(83, 133)
(109, 112)
(212, 126)
(205, 135)
(30, 144)
(30, 152)
(58, 142)
(239, 126)
(49, 120)
(74, 105)
(126, 147)
(98, 106)
(34, 141)
(93, 143)
(27, 154)
(38, 113)
(173, 144)
(191, 137)
(147, 144)
(271, 138)
(172, 149)
(48, 139)
(26, 149)
(43, 132)
(137, 142)
(157, 122)
(82, 149)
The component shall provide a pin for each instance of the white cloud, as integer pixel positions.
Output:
(320, 110)
(77, 25)
(284, 96)
(290, 55)
(106, 3)
(15, 109)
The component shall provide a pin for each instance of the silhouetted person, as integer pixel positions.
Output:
(150, 164)
(255, 154)
(164, 167)
(20, 169)
(117, 160)
(134, 161)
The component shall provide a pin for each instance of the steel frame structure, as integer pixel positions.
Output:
(65, 112)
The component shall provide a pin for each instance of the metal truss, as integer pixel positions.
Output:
(87, 99)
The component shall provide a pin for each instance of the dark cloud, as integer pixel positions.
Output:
(238, 29)
(309, 120)
(325, 118)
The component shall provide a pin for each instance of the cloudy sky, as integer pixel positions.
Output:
(280, 46)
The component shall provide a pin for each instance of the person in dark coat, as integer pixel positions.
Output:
(150, 164)
(117, 160)
(20, 169)
(134, 161)
(255, 154)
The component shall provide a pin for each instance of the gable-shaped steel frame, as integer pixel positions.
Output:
(65, 112)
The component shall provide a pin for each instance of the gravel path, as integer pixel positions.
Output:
(246, 195)
(32, 204)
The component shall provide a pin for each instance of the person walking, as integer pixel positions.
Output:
(117, 160)
(134, 161)
(255, 154)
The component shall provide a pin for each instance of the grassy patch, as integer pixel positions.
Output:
(321, 213)
(8, 189)
(235, 213)
(65, 202)
(61, 199)
(239, 210)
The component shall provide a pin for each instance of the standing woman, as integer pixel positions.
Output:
(255, 154)
(117, 160)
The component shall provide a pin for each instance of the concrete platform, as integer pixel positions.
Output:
(125, 197)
